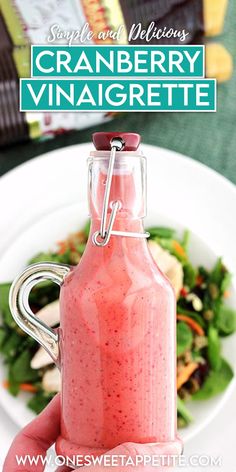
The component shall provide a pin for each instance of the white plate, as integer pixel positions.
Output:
(49, 195)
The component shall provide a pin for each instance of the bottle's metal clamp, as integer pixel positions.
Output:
(102, 237)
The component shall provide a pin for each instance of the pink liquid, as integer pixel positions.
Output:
(117, 342)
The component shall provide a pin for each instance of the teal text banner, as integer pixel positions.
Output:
(120, 95)
(126, 61)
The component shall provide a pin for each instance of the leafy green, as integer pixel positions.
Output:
(226, 281)
(184, 338)
(217, 274)
(216, 382)
(3, 336)
(11, 345)
(214, 348)
(226, 320)
(21, 371)
(13, 387)
(161, 232)
(186, 239)
(169, 245)
(190, 274)
(80, 248)
(52, 257)
(4, 305)
(44, 257)
(216, 281)
(39, 401)
(183, 411)
(86, 229)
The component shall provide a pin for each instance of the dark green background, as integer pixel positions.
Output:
(207, 137)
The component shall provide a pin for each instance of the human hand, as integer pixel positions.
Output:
(35, 439)
(39, 435)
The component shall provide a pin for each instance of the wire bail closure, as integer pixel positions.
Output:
(102, 237)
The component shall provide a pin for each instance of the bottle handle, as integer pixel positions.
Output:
(19, 303)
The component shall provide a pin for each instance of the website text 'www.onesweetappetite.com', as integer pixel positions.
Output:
(120, 460)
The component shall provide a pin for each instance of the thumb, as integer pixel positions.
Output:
(35, 439)
(126, 456)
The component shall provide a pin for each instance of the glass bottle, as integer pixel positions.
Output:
(117, 317)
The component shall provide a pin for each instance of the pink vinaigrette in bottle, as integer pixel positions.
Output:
(118, 317)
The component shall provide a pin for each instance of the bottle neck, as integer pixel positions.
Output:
(134, 225)
(128, 187)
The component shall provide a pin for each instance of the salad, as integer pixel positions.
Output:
(203, 320)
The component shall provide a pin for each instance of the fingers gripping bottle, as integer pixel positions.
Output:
(116, 342)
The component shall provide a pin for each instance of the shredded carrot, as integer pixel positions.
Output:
(72, 246)
(183, 292)
(179, 249)
(185, 374)
(192, 323)
(25, 387)
(5, 384)
(226, 294)
(199, 280)
(62, 247)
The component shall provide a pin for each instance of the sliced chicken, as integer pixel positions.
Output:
(52, 380)
(50, 315)
(169, 265)
(41, 359)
